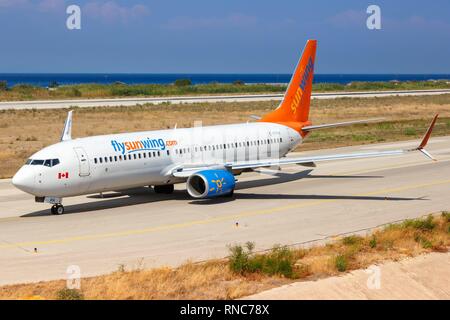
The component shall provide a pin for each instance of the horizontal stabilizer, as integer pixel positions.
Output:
(340, 124)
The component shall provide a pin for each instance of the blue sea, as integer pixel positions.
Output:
(44, 79)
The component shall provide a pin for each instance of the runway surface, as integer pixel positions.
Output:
(138, 228)
(116, 102)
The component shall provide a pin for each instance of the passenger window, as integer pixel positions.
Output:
(129, 157)
(106, 159)
(168, 153)
(145, 155)
(159, 154)
(139, 155)
(120, 158)
(100, 160)
(95, 160)
(154, 154)
(111, 159)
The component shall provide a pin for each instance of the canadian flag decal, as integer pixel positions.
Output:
(63, 175)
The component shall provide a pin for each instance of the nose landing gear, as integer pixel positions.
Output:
(57, 209)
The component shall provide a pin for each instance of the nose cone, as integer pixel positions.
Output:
(24, 180)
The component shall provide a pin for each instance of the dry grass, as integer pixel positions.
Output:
(212, 280)
(23, 132)
(215, 280)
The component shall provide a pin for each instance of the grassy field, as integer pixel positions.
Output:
(86, 91)
(23, 132)
(245, 272)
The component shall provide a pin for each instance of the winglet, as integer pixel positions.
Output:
(428, 134)
(426, 137)
(67, 131)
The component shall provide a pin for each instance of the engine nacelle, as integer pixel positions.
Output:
(210, 183)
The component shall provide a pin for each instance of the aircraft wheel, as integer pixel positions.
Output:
(166, 189)
(57, 209)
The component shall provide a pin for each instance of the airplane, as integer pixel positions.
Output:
(206, 158)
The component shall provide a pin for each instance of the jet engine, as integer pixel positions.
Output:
(210, 183)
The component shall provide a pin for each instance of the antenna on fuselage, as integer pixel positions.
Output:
(67, 131)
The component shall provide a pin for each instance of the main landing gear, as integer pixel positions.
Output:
(57, 209)
(165, 189)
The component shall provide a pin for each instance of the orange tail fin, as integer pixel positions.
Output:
(294, 109)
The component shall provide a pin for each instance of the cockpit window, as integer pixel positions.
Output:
(47, 162)
(37, 162)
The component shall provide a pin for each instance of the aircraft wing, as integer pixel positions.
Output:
(186, 171)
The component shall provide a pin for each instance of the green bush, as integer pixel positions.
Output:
(351, 240)
(182, 82)
(238, 83)
(69, 294)
(279, 261)
(421, 224)
(373, 242)
(238, 259)
(3, 85)
(446, 214)
(341, 263)
(425, 243)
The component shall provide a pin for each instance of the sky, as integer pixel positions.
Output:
(223, 36)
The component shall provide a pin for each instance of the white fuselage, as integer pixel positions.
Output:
(121, 161)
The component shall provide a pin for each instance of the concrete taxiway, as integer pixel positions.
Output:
(138, 228)
(117, 102)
